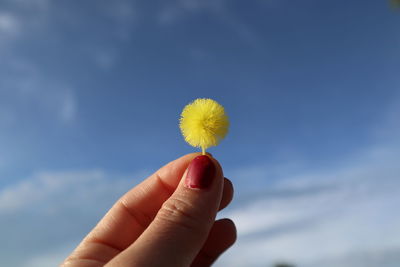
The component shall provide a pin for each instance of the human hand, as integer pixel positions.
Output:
(167, 220)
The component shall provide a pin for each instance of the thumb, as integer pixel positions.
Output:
(183, 223)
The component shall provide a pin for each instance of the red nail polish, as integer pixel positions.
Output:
(201, 172)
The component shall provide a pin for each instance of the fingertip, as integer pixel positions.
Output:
(221, 237)
(223, 234)
(227, 194)
(229, 186)
(230, 228)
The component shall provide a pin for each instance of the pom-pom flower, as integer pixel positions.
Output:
(204, 123)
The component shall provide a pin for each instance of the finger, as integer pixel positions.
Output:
(184, 221)
(221, 237)
(227, 194)
(131, 214)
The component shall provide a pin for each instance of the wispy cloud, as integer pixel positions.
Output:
(22, 81)
(123, 14)
(104, 58)
(47, 214)
(31, 90)
(324, 217)
(69, 107)
(179, 10)
(19, 19)
(38, 4)
(8, 24)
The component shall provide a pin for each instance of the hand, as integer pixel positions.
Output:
(167, 220)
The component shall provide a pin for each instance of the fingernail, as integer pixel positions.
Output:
(201, 172)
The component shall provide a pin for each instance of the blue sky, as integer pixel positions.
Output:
(91, 92)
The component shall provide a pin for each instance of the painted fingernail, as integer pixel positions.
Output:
(201, 172)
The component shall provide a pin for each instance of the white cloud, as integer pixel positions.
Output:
(324, 218)
(46, 215)
(38, 188)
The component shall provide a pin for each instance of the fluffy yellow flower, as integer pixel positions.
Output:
(204, 123)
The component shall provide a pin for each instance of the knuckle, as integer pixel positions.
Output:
(181, 213)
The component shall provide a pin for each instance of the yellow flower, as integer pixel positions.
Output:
(204, 123)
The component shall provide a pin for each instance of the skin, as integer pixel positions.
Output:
(161, 222)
